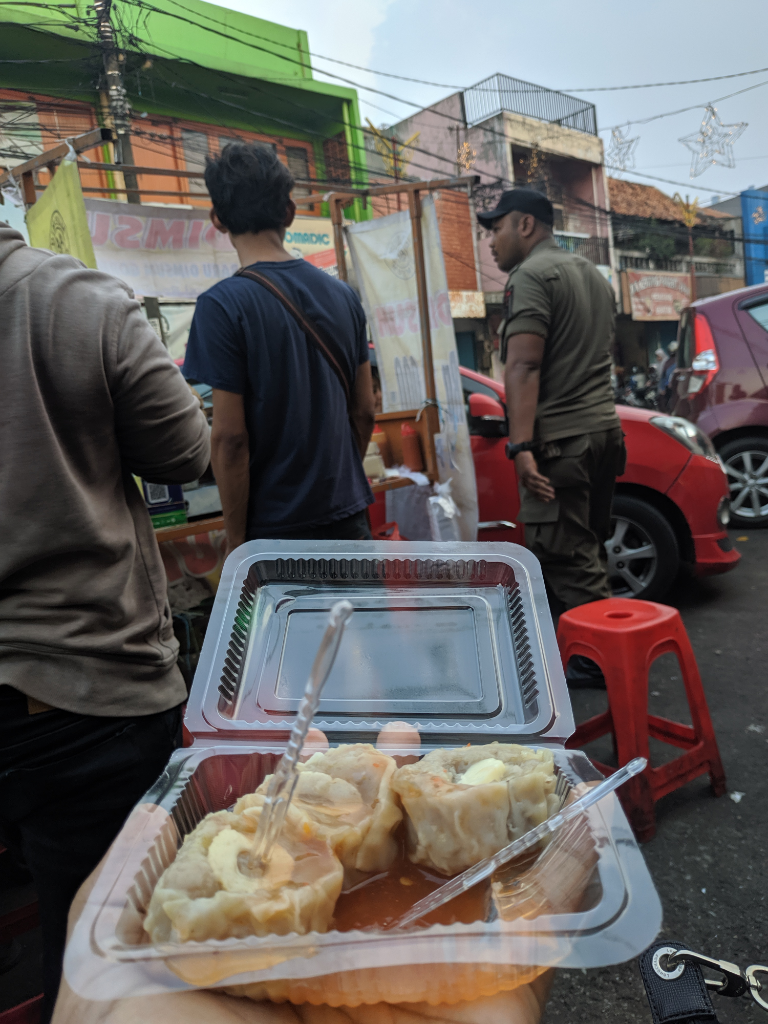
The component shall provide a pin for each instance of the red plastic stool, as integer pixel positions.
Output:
(624, 637)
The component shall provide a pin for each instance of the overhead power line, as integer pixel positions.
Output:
(668, 181)
(453, 85)
(684, 110)
(659, 85)
(142, 4)
(48, 60)
(147, 7)
(414, 164)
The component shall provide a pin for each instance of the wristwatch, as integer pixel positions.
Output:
(512, 450)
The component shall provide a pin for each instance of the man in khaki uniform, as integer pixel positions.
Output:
(565, 436)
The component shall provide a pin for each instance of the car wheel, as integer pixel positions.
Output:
(746, 464)
(643, 556)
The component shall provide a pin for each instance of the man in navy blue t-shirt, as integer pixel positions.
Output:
(286, 446)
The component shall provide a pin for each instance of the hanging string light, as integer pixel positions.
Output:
(621, 152)
(713, 142)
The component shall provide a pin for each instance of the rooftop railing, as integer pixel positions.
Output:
(501, 93)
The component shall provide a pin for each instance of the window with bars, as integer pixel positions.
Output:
(195, 146)
(297, 159)
(337, 159)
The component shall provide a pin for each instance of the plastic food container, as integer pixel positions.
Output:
(457, 640)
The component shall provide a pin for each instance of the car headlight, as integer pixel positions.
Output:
(687, 433)
(724, 512)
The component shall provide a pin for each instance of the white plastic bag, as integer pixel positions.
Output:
(443, 514)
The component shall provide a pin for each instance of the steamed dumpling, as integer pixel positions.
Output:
(346, 794)
(464, 805)
(209, 892)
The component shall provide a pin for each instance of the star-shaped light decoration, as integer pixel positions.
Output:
(713, 142)
(621, 152)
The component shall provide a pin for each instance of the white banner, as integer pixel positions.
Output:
(178, 254)
(382, 256)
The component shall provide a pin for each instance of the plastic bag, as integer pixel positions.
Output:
(443, 514)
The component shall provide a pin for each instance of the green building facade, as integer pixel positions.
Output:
(196, 75)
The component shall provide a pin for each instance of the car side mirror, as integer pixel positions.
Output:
(486, 416)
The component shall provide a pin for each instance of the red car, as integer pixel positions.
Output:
(721, 384)
(671, 504)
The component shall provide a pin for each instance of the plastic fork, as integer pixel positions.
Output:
(284, 780)
(486, 867)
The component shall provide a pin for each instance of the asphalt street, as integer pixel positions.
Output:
(708, 859)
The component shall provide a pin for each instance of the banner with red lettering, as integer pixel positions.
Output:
(177, 253)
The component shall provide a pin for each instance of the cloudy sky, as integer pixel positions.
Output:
(573, 46)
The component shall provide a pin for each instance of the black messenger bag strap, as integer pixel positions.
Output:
(326, 346)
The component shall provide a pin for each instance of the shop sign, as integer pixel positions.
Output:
(654, 295)
(467, 305)
(178, 254)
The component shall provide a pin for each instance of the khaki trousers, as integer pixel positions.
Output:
(568, 535)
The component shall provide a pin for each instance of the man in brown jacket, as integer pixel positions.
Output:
(90, 693)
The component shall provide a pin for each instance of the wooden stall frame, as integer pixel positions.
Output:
(429, 416)
(50, 159)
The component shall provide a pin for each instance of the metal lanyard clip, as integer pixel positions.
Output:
(734, 983)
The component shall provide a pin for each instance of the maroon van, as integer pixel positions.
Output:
(721, 384)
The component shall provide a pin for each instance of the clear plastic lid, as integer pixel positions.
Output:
(456, 638)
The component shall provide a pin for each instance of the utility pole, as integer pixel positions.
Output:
(120, 111)
(117, 98)
(396, 169)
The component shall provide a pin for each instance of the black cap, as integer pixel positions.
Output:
(526, 200)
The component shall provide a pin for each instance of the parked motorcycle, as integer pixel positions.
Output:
(640, 389)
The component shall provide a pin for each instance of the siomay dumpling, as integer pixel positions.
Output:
(211, 892)
(346, 793)
(464, 805)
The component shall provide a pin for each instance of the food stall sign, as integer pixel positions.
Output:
(657, 295)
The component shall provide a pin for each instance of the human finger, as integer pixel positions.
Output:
(545, 487)
(396, 735)
(539, 486)
(316, 741)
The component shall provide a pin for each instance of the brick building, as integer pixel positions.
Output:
(507, 132)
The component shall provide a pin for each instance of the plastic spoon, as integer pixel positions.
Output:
(486, 867)
(283, 782)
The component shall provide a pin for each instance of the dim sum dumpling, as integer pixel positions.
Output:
(209, 892)
(346, 793)
(464, 805)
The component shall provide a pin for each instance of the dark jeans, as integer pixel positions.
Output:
(67, 784)
(352, 528)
